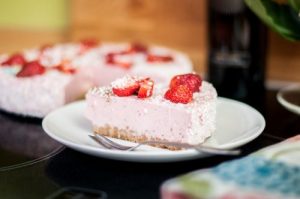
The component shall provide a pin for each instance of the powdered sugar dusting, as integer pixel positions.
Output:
(123, 82)
(101, 91)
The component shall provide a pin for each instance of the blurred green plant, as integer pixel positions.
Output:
(283, 16)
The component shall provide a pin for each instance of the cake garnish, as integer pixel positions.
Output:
(87, 44)
(111, 58)
(159, 58)
(137, 48)
(193, 81)
(182, 87)
(146, 88)
(125, 86)
(130, 85)
(179, 94)
(31, 69)
(15, 59)
(65, 67)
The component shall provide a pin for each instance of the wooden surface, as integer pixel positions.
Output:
(173, 23)
(14, 40)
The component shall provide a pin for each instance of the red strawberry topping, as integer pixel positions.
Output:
(159, 58)
(111, 59)
(146, 88)
(137, 48)
(125, 87)
(66, 68)
(128, 86)
(180, 94)
(87, 44)
(31, 68)
(193, 81)
(16, 59)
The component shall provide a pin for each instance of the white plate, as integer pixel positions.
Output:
(237, 124)
(285, 102)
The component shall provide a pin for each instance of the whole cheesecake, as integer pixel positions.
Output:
(37, 81)
(137, 109)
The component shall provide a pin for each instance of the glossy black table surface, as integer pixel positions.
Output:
(32, 165)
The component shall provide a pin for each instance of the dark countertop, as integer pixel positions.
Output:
(50, 167)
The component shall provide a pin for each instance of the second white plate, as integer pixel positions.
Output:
(237, 124)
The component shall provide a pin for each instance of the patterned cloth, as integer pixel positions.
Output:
(270, 173)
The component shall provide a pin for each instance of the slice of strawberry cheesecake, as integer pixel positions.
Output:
(137, 109)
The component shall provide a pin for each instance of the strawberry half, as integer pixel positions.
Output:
(146, 88)
(16, 59)
(193, 81)
(180, 94)
(159, 58)
(65, 67)
(87, 44)
(31, 69)
(137, 48)
(110, 59)
(125, 86)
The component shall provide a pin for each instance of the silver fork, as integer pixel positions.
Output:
(108, 143)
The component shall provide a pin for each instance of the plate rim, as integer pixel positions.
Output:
(152, 156)
(286, 104)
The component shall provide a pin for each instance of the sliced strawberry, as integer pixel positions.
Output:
(125, 86)
(137, 48)
(66, 68)
(180, 94)
(16, 59)
(87, 44)
(110, 59)
(159, 58)
(193, 81)
(146, 88)
(31, 69)
(126, 91)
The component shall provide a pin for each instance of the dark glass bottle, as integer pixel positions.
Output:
(237, 50)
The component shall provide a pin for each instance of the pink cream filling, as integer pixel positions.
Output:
(141, 116)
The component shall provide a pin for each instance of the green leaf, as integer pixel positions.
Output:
(282, 18)
(295, 4)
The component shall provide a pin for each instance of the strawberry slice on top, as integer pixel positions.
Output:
(15, 59)
(87, 44)
(31, 69)
(159, 58)
(137, 48)
(111, 59)
(180, 94)
(65, 67)
(128, 85)
(125, 86)
(191, 80)
(146, 88)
